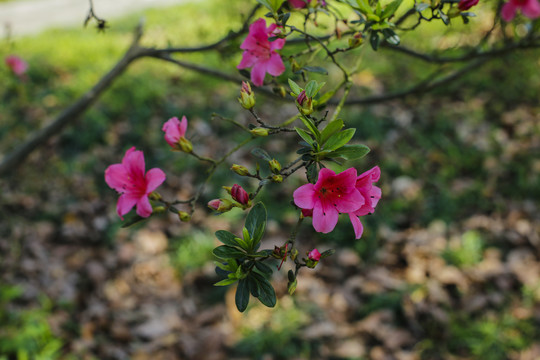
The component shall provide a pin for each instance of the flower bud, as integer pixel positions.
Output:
(294, 253)
(158, 209)
(185, 145)
(314, 255)
(239, 194)
(295, 66)
(356, 40)
(304, 104)
(259, 131)
(277, 178)
(275, 166)
(240, 170)
(280, 90)
(154, 196)
(184, 216)
(220, 205)
(247, 98)
(453, 12)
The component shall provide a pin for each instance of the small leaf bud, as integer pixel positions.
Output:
(275, 166)
(277, 178)
(240, 170)
(184, 216)
(154, 196)
(259, 131)
(159, 209)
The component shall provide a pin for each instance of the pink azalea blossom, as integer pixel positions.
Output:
(467, 4)
(239, 194)
(130, 180)
(298, 4)
(16, 64)
(371, 194)
(332, 194)
(529, 8)
(314, 255)
(260, 54)
(174, 130)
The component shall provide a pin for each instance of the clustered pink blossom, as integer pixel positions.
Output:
(529, 8)
(260, 53)
(333, 194)
(239, 194)
(467, 4)
(130, 180)
(17, 65)
(174, 130)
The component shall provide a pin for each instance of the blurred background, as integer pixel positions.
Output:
(448, 266)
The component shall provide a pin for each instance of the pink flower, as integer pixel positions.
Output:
(130, 180)
(331, 195)
(174, 130)
(371, 194)
(214, 204)
(529, 8)
(260, 53)
(239, 194)
(298, 4)
(466, 4)
(314, 255)
(16, 64)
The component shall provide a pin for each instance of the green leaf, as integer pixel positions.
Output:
(266, 4)
(339, 139)
(391, 37)
(421, 7)
(311, 173)
(227, 238)
(390, 9)
(295, 88)
(330, 129)
(135, 219)
(231, 266)
(227, 252)
(324, 98)
(253, 286)
(374, 40)
(327, 253)
(242, 295)
(364, 7)
(256, 223)
(291, 286)
(316, 69)
(263, 268)
(311, 127)
(350, 152)
(310, 88)
(261, 154)
(267, 294)
(304, 135)
(276, 4)
(225, 282)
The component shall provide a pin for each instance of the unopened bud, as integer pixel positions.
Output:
(185, 145)
(453, 12)
(314, 255)
(220, 205)
(259, 131)
(247, 98)
(277, 178)
(159, 209)
(295, 66)
(184, 216)
(304, 104)
(294, 254)
(227, 189)
(154, 196)
(280, 90)
(275, 166)
(356, 40)
(239, 194)
(240, 170)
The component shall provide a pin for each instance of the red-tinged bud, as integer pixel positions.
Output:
(239, 194)
(220, 205)
(304, 104)
(259, 131)
(247, 98)
(314, 255)
(275, 166)
(240, 170)
(356, 40)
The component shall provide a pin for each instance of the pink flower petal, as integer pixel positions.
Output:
(349, 203)
(154, 177)
(257, 74)
(304, 197)
(346, 179)
(508, 11)
(116, 176)
(183, 126)
(125, 203)
(172, 131)
(275, 66)
(277, 44)
(357, 225)
(134, 162)
(531, 9)
(325, 217)
(324, 175)
(144, 208)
